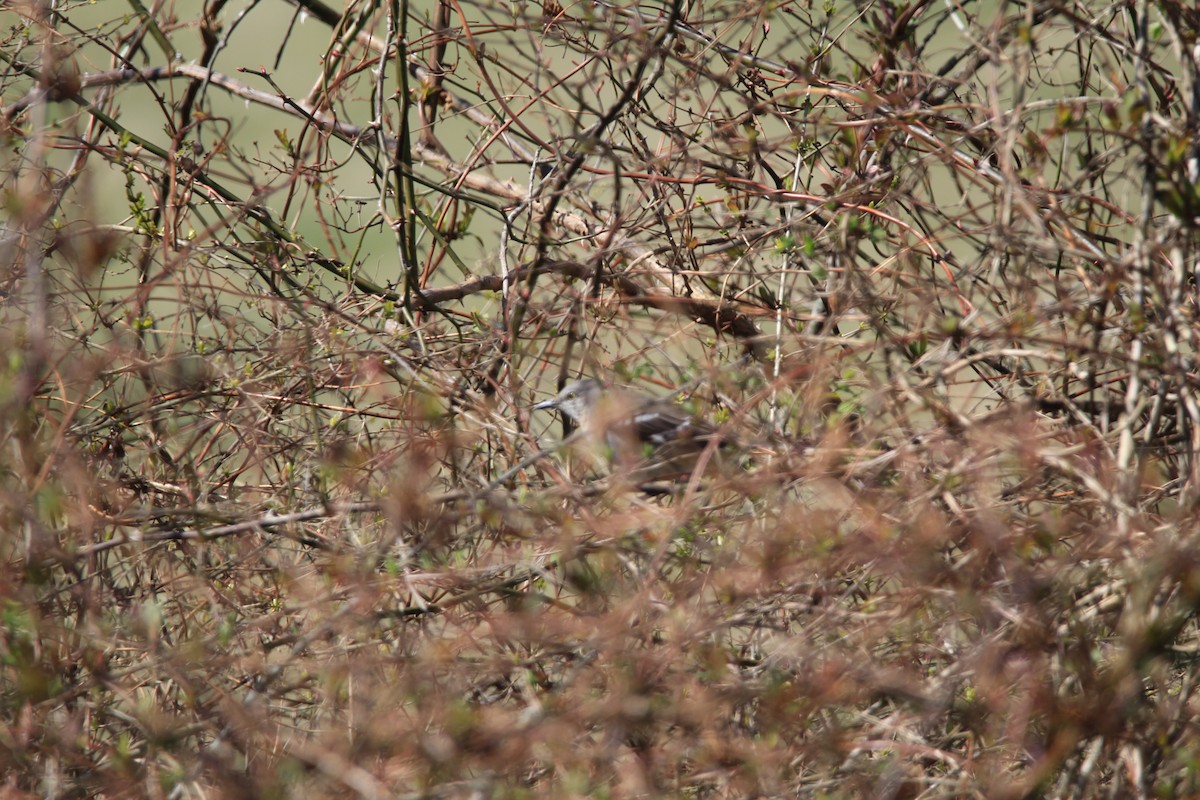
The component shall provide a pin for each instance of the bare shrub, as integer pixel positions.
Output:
(281, 283)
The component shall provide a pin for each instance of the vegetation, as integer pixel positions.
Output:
(281, 280)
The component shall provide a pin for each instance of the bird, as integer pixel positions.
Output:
(647, 437)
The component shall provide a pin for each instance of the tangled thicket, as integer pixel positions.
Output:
(281, 281)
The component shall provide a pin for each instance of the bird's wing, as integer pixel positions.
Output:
(661, 422)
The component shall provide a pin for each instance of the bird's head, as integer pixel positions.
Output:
(576, 400)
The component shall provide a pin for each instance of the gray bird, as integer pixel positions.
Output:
(650, 435)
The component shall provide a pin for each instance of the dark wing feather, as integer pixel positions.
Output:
(660, 423)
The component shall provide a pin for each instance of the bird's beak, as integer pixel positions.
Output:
(551, 403)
